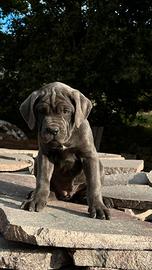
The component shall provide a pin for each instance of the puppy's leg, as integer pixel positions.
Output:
(30, 195)
(39, 197)
(94, 178)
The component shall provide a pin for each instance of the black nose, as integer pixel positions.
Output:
(53, 130)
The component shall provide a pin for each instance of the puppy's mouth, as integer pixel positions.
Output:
(55, 144)
(53, 141)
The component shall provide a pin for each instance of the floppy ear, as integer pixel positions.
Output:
(83, 107)
(27, 109)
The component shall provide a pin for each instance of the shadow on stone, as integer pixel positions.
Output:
(70, 211)
(14, 190)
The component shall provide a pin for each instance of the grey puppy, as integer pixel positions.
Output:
(66, 146)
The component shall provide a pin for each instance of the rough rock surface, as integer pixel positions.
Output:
(119, 171)
(112, 166)
(31, 153)
(18, 185)
(110, 180)
(123, 243)
(137, 197)
(34, 153)
(26, 257)
(12, 131)
(119, 259)
(112, 163)
(110, 156)
(79, 232)
(118, 196)
(128, 196)
(15, 162)
(140, 178)
(149, 176)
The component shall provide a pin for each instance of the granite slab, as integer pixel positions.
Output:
(68, 225)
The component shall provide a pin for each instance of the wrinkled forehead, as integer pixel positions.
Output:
(54, 97)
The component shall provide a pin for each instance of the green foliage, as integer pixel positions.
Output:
(101, 47)
(143, 119)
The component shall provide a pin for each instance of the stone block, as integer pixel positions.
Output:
(149, 176)
(128, 196)
(16, 162)
(110, 156)
(19, 185)
(113, 166)
(26, 257)
(115, 259)
(127, 178)
(120, 171)
(34, 153)
(137, 197)
(6, 151)
(67, 225)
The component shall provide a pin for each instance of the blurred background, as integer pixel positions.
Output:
(103, 48)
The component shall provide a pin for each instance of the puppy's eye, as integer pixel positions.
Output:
(42, 110)
(66, 111)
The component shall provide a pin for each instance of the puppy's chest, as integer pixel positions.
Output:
(64, 158)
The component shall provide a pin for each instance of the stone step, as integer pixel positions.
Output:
(110, 180)
(26, 257)
(15, 162)
(62, 220)
(137, 197)
(12, 165)
(113, 259)
(113, 166)
(19, 185)
(119, 171)
(67, 225)
(141, 178)
(110, 156)
(15, 255)
(32, 153)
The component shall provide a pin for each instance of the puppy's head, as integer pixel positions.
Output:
(56, 109)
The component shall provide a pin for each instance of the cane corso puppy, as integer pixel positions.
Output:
(66, 146)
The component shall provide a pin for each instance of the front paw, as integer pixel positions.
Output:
(35, 204)
(97, 209)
